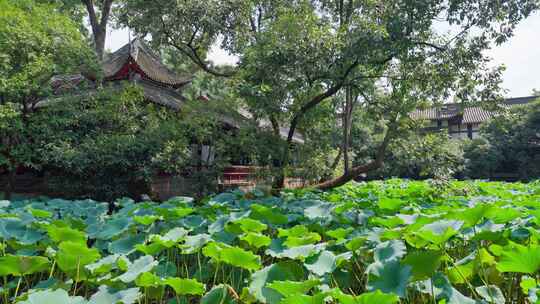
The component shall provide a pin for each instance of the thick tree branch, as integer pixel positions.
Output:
(91, 14)
(335, 163)
(275, 125)
(328, 93)
(318, 99)
(191, 52)
(99, 28)
(105, 13)
(356, 171)
(431, 45)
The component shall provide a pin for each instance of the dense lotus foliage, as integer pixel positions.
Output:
(380, 242)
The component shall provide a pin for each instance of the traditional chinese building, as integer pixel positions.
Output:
(462, 122)
(135, 63)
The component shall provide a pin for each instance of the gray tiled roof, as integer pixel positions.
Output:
(467, 114)
(159, 95)
(146, 60)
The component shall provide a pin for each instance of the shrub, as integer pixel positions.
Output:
(510, 145)
(420, 156)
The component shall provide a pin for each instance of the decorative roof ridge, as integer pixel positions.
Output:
(149, 63)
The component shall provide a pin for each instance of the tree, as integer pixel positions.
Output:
(296, 55)
(98, 12)
(99, 22)
(510, 144)
(108, 143)
(36, 43)
(420, 156)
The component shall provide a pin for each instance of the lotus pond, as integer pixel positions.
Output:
(396, 241)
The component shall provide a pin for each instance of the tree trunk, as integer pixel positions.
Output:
(99, 41)
(335, 163)
(356, 171)
(279, 179)
(10, 185)
(346, 121)
(99, 27)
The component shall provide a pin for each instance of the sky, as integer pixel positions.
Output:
(520, 55)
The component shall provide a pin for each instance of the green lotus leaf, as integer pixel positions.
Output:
(113, 228)
(181, 212)
(72, 256)
(423, 264)
(65, 234)
(519, 258)
(282, 271)
(320, 210)
(171, 238)
(340, 233)
(441, 288)
(146, 220)
(127, 244)
(304, 299)
(58, 296)
(186, 286)
(256, 240)
(232, 255)
(218, 295)
(141, 265)
(22, 265)
(250, 225)
(40, 213)
(462, 273)
(150, 249)
(222, 198)
(389, 251)
(527, 283)
(484, 258)
(107, 295)
(502, 215)
(322, 263)
(387, 203)
(374, 297)
(193, 243)
(213, 250)
(298, 235)
(440, 231)
(123, 263)
(377, 297)
(491, 293)
(14, 228)
(386, 221)
(289, 288)
(278, 250)
(148, 279)
(472, 216)
(166, 269)
(219, 224)
(356, 243)
(104, 265)
(270, 215)
(389, 277)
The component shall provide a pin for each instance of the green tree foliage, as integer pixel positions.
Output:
(108, 144)
(420, 156)
(510, 144)
(36, 43)
(296, 55)
(96, 14)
